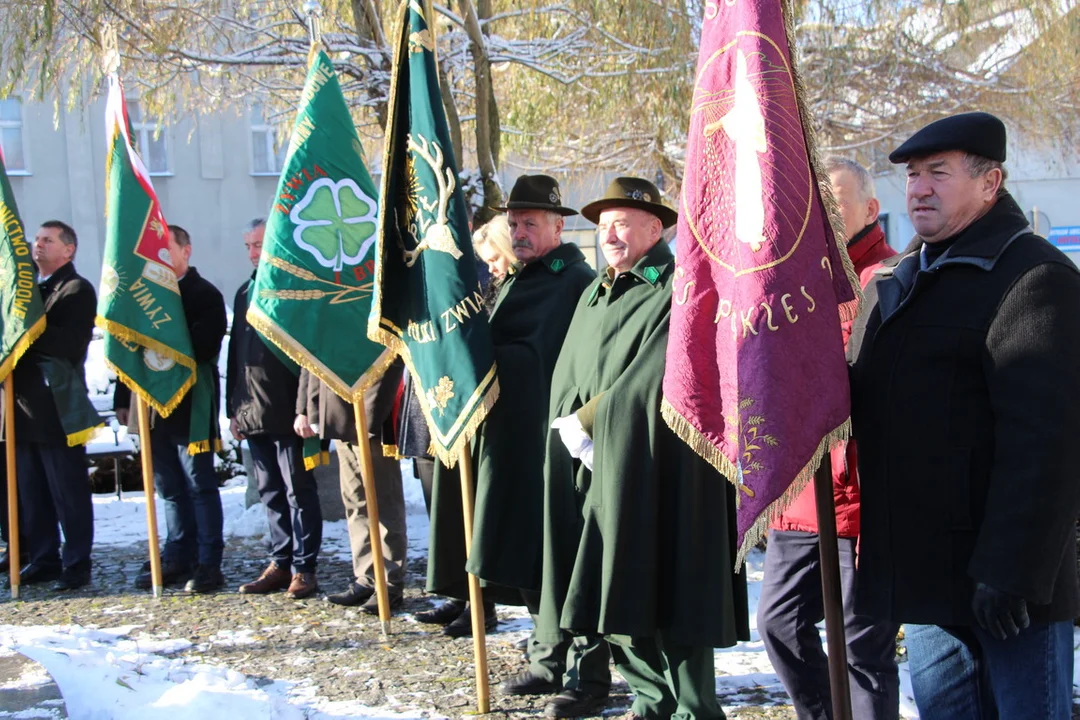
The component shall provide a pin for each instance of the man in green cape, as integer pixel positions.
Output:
(528, 323)
(639, 538)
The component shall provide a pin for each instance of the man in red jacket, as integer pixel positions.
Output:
(791, 604)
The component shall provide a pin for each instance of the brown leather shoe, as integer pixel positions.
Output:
(274, 578)
(303, 585)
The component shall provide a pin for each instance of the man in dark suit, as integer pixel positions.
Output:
(52, 479)
(185, 476)
(260, 396)
(964, 404)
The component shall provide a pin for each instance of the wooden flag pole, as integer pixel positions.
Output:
(367, 468)
(830, 592)
(148, 490)
(476, 598)
(12, 485)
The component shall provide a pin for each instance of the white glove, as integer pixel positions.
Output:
(575, 438)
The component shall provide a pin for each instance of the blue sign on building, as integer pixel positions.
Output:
(1066, 238)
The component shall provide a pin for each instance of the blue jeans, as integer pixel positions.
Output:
(188, 486)
(962, 673)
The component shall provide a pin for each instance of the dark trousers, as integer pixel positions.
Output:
(425, 470)
(54, 487)
(188, 486)
(788, 611)
(669, 680)
(291, 499)
(578, 662)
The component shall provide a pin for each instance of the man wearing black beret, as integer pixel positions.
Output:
(964, 403)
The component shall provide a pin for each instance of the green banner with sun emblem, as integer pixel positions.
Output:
(313, 287)
(429, 307)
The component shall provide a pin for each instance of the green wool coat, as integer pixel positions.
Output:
(528, 324)
(645, 541)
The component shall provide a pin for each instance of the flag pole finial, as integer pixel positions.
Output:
(313, 10)
(110, 49)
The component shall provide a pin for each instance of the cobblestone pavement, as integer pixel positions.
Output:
(334, 652)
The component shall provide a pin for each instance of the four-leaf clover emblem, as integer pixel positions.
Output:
(335, 222)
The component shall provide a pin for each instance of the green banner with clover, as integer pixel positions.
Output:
(313, 287)
(429, 307)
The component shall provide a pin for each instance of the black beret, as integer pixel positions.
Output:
(978, 133)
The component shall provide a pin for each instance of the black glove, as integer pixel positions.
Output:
(1000, 613)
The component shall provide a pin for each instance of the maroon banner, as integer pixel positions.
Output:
(756, 380)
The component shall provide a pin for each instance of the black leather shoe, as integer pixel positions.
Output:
(351, 596)
(172, 573)
(462, 627)
(528, 684)
(574, 703)
(73, 578)
(371, 607)
(36, 573)
(207, 579)
(442, 614)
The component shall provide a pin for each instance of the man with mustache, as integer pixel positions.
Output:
(964, 403)
(528, 324)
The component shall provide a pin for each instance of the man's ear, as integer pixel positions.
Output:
(873, 209)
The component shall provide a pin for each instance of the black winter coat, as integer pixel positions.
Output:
(204, 311)
(966, 404)
(70, 304)
(260, 389)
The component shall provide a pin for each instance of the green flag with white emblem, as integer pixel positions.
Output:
(429, 306)
(313, 288)
(21, 313)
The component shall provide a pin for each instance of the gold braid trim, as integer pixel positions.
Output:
(31, 334)
(703, 447)
(125, 333)
(847, 309)
(391, 451)
(202, 446)
(320, 458)
(482, 399)
(305, 359)
(83, 436)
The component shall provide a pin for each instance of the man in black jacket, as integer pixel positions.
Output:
(964, 401)
(184, 475)
(51, 474)
(260, 395)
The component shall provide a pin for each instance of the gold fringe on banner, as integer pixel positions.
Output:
(204, 446)
(701, 445)
(83, 436)
(32, 333)
(137, 338)
(305, 359)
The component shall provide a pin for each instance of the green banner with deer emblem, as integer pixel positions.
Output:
(428, 304)
(313, 287)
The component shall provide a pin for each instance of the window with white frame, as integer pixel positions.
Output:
(12, 141)
(150, 139)
(267, 154)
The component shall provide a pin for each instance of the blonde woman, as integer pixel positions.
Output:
(493, 246)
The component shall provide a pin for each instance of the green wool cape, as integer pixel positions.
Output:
(530, 319)
(646, 541)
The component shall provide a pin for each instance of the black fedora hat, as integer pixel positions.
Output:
(634, 193)
(536, 192)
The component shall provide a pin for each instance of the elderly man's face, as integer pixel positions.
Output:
(533, 233)
(943, 198)
(857, 211)
(626, 234)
